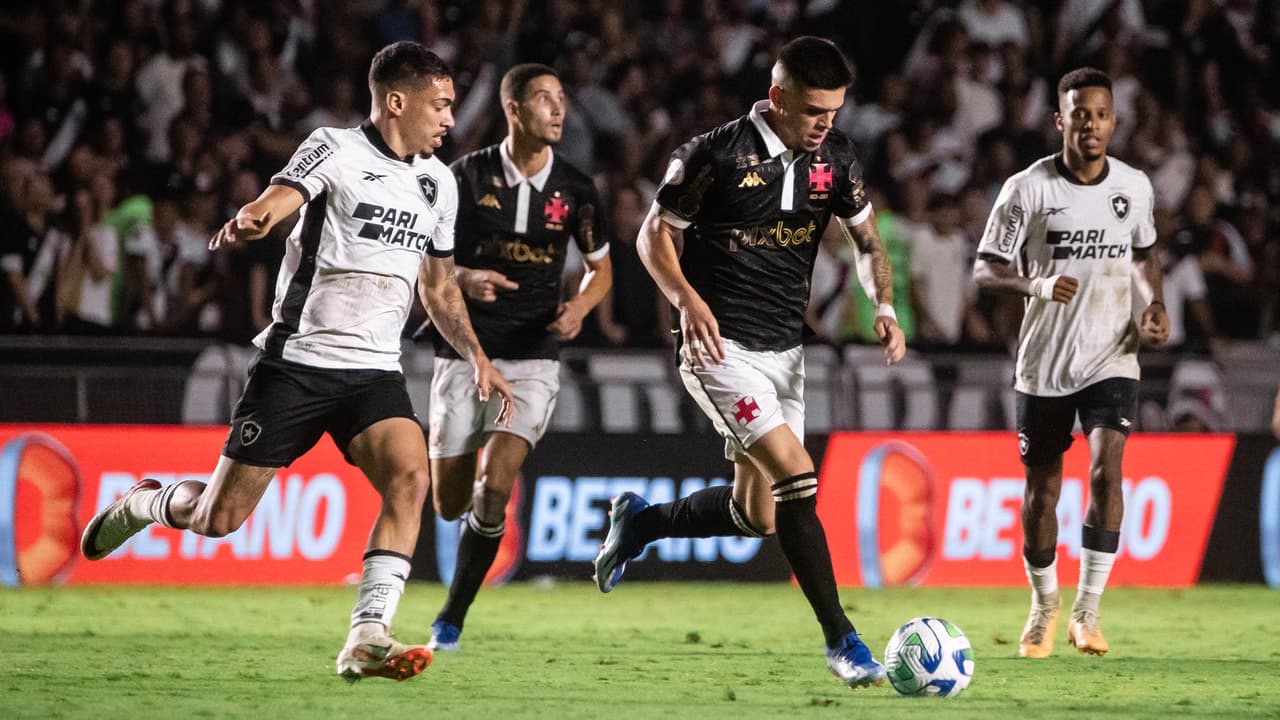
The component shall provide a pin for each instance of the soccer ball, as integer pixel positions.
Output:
(929, 656)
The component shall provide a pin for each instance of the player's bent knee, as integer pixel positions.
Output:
(216, 525)
(408, 489)
(490, 504)
(451, 508)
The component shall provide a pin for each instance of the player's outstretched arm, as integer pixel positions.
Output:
(657, 249)
(1153, 329)
(865, 238)
(256, 219)
(443, 300)
(994, 275)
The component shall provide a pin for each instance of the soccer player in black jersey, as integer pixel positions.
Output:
(752, 199)
(519, 206)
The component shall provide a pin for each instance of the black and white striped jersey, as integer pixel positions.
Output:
(351, 263)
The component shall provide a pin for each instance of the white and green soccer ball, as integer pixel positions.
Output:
(929, 656)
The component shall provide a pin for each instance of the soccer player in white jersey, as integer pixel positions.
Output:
(377, 216)
(1064, 233)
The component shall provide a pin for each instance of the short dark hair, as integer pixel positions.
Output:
(517, 79)
(1082, 78)
(406, 65)
(814, 62)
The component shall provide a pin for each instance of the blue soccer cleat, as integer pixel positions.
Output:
(620, 545)
(853, 664)
(444, 636)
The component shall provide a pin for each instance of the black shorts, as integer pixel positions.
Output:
(1044, 423)
(286, 407)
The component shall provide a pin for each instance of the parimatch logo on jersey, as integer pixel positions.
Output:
(1083, 245)
(391, 226)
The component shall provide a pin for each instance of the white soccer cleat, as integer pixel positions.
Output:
(112, 527)
(1037, 635)
(380, 656)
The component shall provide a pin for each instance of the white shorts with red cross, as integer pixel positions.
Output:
(748, 394)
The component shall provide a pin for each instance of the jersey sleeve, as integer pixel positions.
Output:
(591, 234)
(689, 175)
(1006, 229)
(312, 169)
(849, 202)
(1144, 231)
(447, 207)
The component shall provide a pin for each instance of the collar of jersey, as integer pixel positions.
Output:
(374, 136)
(772, 142)
(1072, 178)
(515, 177)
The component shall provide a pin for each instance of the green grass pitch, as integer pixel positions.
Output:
(661, 650)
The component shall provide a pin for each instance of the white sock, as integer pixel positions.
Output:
(1095, 568)
(381, 585)
(1044, 583)
(139, 505)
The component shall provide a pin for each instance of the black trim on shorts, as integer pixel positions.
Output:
(300, 284)
(992, 257)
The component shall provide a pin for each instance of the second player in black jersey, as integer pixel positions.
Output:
(514, 233)
(752, 199)
(519, 207)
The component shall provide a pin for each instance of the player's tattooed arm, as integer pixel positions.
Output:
(442, 298)
(866, 238)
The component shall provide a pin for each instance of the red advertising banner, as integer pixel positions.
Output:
(310, 527)
(944, 508)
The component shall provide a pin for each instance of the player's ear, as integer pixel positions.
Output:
(776, 96)
(1057, 121)
(394, 102)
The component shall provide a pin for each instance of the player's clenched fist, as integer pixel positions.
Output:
(1057, 288)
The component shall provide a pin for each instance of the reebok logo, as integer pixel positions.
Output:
(372, 176)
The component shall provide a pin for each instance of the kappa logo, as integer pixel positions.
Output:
(372, 176)
(490, 201)
(250, 431)
(430, 187)
(1120, 206)
(750, 180)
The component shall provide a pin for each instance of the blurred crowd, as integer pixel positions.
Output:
(131, 129)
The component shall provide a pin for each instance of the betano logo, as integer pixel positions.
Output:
(944, 508)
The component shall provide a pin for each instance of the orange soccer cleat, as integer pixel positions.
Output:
(383, 657)
(1037, 636)
(1084, 635)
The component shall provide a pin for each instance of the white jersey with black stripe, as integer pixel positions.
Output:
(351, 263)
(1049, 223)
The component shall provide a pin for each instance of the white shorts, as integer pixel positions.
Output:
(460, 423)
(748, 394)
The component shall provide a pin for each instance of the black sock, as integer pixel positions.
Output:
(1107, 541)
(710, 512)
(477, 548)
(804, 543)
(1039, 558)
